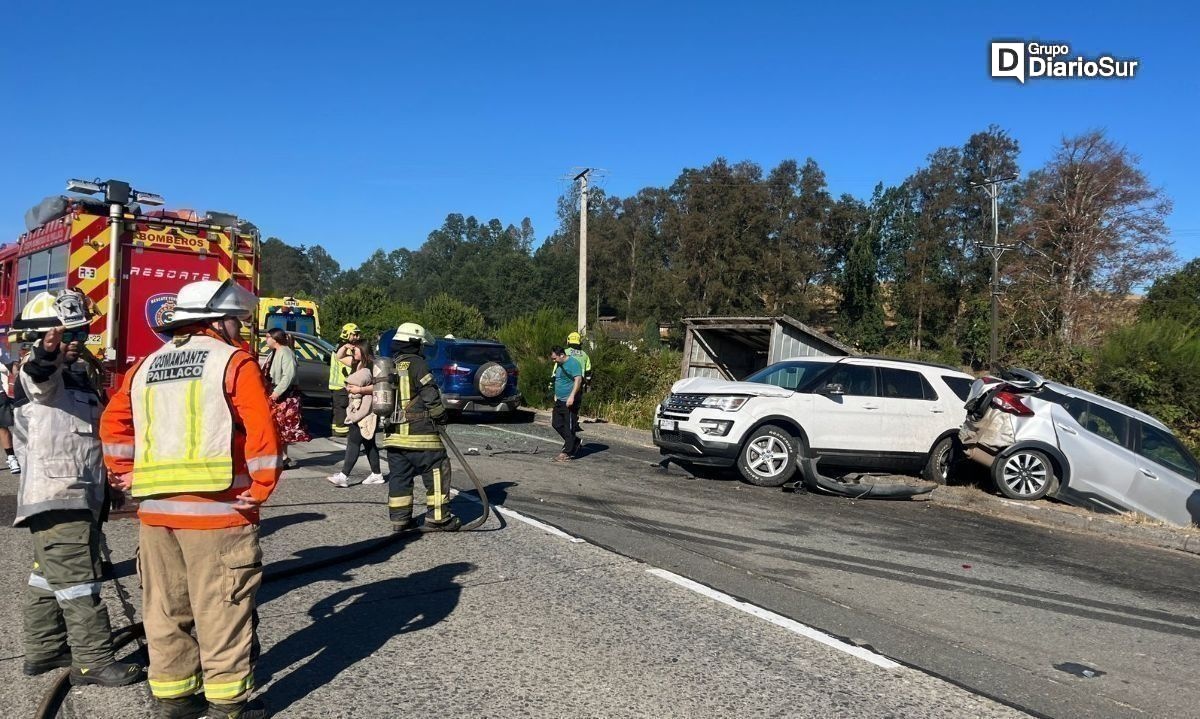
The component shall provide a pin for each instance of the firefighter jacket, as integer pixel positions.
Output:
(54, 437)
(418, 407)
(193, 424)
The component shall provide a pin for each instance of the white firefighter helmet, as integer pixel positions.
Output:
(68, 308)
(412, 332)
(209, 300)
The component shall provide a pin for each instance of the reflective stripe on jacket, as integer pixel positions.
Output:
(253, 446)
(418, 403)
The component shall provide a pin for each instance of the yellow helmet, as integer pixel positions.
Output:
(574, 338)
(349, 329)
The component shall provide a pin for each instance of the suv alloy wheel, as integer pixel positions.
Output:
(768, 459)
(1024, 474)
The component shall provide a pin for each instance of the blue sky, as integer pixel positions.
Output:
(361, 125)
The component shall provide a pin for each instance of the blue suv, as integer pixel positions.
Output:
(473, 375)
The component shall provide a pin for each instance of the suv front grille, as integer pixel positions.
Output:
(683, 403)
(669, 435)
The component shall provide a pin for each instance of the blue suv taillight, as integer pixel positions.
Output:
(455, 376)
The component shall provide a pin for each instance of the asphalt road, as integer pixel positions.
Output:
(1053, 623)
(510, 621)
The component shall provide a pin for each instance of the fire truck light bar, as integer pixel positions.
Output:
(84, 187)
(148, 198)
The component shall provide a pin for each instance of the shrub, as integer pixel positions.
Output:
(443, 315)
(371, 308)
(529, 339)
(629, 380)
(1150, 366)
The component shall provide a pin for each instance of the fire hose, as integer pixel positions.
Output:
(483, 498)
(52, 701)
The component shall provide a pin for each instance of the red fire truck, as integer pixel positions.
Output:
(128, 260)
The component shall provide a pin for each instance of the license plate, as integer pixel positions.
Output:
(668, 424)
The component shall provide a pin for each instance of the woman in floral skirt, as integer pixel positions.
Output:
(280, 372)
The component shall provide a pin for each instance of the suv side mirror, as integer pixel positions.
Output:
(833, 389)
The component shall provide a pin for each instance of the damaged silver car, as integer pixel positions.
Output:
(1042, 439)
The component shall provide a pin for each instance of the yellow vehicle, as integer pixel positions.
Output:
(288, 314)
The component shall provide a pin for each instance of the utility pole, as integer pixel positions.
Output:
(992, 188)
(582, 178)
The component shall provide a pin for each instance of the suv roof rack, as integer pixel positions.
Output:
(924, 363)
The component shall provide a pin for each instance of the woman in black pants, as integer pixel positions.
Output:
(360, 419)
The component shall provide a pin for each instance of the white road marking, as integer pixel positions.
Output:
(513, 514)
(778, 620)
(765, 614)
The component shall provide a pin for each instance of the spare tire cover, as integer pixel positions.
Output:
(491, 379)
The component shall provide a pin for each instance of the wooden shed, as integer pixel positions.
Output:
(733, 347)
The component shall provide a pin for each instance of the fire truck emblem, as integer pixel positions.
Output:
(160, 309)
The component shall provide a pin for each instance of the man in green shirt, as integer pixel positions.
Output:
(568, 385)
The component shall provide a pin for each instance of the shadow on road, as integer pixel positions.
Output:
(359, 554)
(270, 525)
(354, 623)
(587, 449)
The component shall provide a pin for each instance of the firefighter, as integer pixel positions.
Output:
(585, 362)
(411, 437)
(190, 434)
(60, 500)
(340, 367)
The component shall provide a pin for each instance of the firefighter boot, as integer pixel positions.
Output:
(190, 707)
(404, 525)
(41, 666)
(451, 523)
(242, 710)
(116, 674)
(401, 516)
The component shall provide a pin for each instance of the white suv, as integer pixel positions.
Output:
(852, 412)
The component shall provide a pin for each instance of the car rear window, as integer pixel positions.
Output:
(960, 386)
(479, 354)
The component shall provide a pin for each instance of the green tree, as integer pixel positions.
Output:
(369, 307)
(443, 315)
(793, 256)
(720, 224)
(861, 319)
(1151, 366)
(1175, 296)
(285, 270)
